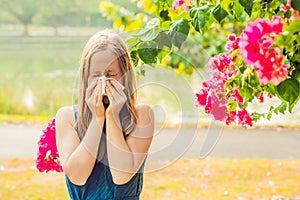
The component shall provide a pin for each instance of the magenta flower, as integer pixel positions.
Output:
(288, 7)
(237, 97)
(177, 4)
(244, 118)
(261, 97)
(255, 45)
(219, 108)
(47, 156)
(202, 97)
(232, 43)
(221, 62)
(230, 117)
(181, 3)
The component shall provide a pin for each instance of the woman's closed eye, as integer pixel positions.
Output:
(111, 75)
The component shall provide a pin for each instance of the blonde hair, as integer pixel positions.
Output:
(106, 40)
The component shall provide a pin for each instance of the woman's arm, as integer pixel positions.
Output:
(126, 156)
(77, 158)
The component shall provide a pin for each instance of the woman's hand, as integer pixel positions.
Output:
(94, 99)
(117, 98)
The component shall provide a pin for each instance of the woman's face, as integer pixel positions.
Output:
(104, 63)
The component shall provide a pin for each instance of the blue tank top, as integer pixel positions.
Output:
(100, 185)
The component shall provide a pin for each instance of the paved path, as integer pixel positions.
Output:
(21, 141)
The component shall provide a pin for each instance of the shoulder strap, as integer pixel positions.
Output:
(75, 109)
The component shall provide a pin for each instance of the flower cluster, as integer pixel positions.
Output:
(255, 48)
(181, 3)
(47, 156)
(288, 7)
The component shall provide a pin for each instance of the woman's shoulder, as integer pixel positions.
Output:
(142, 107)
(145, 113)
(65, 114)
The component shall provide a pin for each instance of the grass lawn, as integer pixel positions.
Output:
(211, 178)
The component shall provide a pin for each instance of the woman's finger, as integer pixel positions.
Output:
(109, 93)
(91, 88)
(117, 85)
(117, 96)
(98, 93)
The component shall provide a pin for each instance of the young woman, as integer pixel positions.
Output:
(103, 141)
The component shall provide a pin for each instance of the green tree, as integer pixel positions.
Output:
(54, 12)
(23, 11)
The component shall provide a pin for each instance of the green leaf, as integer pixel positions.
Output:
(164, 14)
(282, 107)
(166, 25)
(132, 42)
(248, 5)
(296, 75)
(201, 18)
(162, 40)
(153, 23)
(148, 51)
(269, 116)
(289, 91)
(134, 58)
(232, 105)
(162, 53)
(219, 13)
(179, 31)
(271, 89)
(296, 58)
(296, 5)
(276, 110)
(151, 30)
(294, 27)
(236, 9)
(246, 92)
(225, 5)
(148, 34)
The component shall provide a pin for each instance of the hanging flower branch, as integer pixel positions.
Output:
(262, 61)
(253, 66)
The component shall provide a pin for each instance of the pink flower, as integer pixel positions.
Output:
(221, 62)
(237, 97)
(208, 106)
(181, 3)
(244, 118)
(217, 107)
(288, 7)
(232, 43)
(255, 45)
(270, 96)
(230, 117)
(47, 156)
(201, 97)
(272, 68)
(261, 97)
(177, 4)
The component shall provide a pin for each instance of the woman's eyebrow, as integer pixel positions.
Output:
(109, 70)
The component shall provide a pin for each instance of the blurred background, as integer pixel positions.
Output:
(40, 49)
